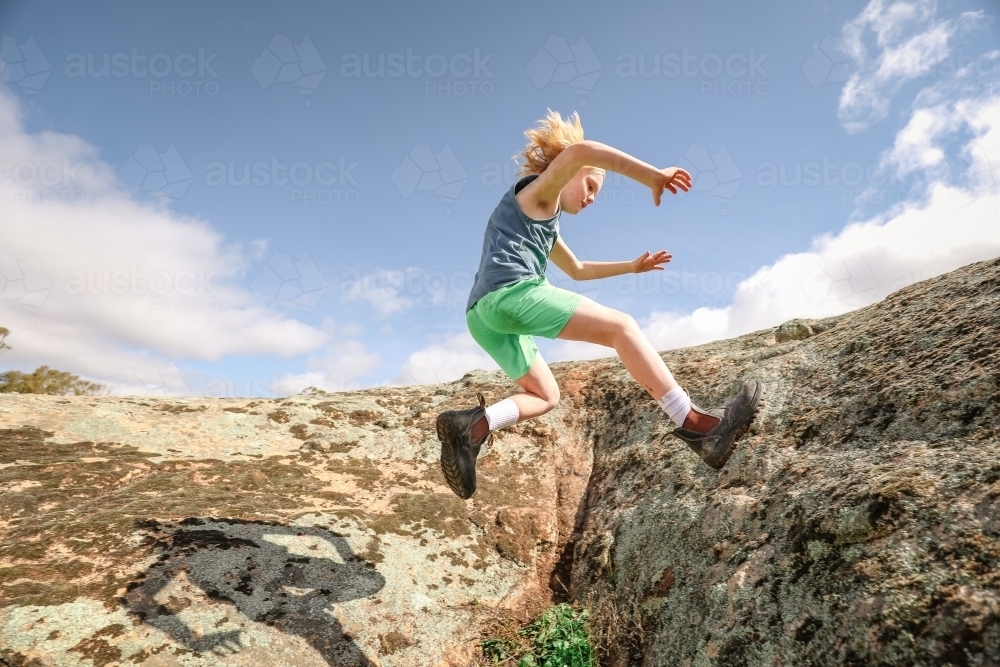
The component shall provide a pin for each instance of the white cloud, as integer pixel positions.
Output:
(911, 42)
(383, 290)
(447, 358)
(394, 291)
(110, 288)
(339, 368)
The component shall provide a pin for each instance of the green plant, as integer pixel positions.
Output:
(560, 638)
(498, 649)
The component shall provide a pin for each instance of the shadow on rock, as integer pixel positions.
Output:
(284, 576)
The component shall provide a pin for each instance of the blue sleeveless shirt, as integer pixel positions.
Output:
(515, 247)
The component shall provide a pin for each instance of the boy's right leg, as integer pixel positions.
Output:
(463, 432)
(541, 394)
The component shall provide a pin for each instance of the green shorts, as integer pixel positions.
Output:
(504, 321)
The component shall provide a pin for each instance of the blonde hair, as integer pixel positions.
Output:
(549, 138)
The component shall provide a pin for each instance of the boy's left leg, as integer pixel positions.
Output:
(594, 323)
(713, 434)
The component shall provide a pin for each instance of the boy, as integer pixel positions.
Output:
(511, 301)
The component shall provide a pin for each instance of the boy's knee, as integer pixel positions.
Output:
(551, 397)
(627, 324)
(553, 400)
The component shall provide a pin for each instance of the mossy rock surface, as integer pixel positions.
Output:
(856, 524)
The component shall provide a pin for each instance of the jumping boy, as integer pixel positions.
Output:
(511, 301)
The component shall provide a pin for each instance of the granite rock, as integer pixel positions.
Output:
(856, 524)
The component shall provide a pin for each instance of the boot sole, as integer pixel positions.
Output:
(449, 461)
(755, 406)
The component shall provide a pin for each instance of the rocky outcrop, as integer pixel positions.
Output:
(313, 530)
(857, 524)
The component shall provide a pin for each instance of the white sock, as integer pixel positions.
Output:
(504, 413)
(677, 404)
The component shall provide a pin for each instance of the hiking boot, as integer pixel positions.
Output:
(716, 446)
(458, 451)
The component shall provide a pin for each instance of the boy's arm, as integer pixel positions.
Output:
(546, 188)
(564, 258)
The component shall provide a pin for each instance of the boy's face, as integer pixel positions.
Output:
(580, 192)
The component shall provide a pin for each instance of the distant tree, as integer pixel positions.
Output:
(43, 380)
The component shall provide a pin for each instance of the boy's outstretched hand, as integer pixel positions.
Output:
(647, 262)
(671, 178)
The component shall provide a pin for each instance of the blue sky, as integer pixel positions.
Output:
(791, 116)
